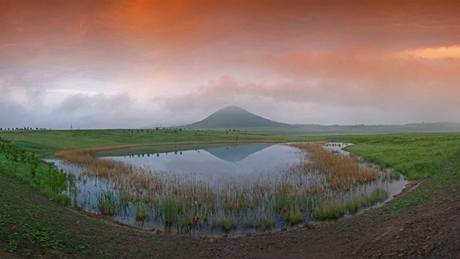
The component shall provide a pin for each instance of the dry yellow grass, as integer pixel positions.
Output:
(341, 172)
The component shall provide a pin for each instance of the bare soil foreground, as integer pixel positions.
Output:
(424, 221)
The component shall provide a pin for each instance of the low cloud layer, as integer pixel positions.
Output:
(139, 63)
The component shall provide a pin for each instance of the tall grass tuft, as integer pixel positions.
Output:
(335, 210)
(107, 203)
(141, 211)
(329, 211)
(229, 223)
(168, 210)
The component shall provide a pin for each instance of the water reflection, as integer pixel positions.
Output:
(233, 163)
(235, 153)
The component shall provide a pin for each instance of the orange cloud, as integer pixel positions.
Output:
(442, 52)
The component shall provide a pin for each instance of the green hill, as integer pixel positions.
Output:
(236, 117)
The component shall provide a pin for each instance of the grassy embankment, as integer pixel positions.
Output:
(25, 226)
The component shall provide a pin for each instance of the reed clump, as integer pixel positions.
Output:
(141, 211)
(168, 210)
(330, 211)
(335, 210)
(294, 215)
(107, 204)
(355, 203)
(229, 223)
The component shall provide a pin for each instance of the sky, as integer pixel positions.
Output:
(136, 63)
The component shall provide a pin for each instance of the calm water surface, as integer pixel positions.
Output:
(220, 165)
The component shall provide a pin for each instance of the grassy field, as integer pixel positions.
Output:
(416, 156)
(45, 143)
(25, 227)
(413, 155)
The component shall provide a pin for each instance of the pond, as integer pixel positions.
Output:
(220, 165)
(237, 189)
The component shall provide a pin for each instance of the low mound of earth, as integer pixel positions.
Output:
(423, 221)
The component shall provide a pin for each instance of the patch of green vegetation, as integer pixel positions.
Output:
(435, 186)
(283, 203)
(416, 156)
(22, 232)
(141, 211)
(29, 168)
(335, 210)
(294, 216)
(289, 209)
(329, 211)
(25, 225)
(229, 223)
(168, 209)
(355, 203)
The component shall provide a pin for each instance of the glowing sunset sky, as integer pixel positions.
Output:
(141, 62)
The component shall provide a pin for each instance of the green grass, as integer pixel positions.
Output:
(27, 167)
(20, 229)
(416, 156)
(28, 232)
